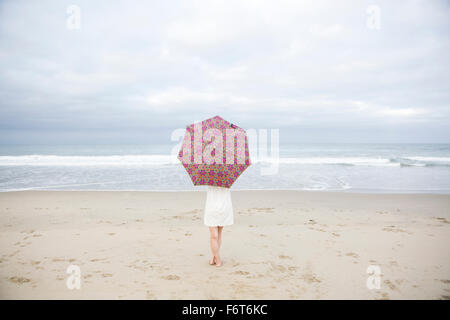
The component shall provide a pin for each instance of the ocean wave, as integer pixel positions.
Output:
(345, 161)
(143, 160)
(422, 161)
(113, 160)
(167, 160)
(431, 159)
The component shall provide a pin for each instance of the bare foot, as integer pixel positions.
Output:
(212, 261)
(218, 262)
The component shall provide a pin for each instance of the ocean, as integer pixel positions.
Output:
(373, 168)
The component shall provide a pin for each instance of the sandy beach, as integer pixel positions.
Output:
(283, 245)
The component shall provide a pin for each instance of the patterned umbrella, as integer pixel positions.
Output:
(214, 152)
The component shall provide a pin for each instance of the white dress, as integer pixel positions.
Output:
(218, 207)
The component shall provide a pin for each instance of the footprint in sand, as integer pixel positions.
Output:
(399, 281)
(107, 275)
(393, 263)
(390, 284)
(97, 259)
(336, 234)
(310, 278)
(278, 267)
(260, 210)
(25, 244)
(394, 229)
(171, 277)
(58, 259)
(243, 273)
(14, 253)
(443, 220)
(383, 296)
(281, 256)
(351, 254)
(19, 280)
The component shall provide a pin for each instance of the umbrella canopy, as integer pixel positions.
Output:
(214, 152)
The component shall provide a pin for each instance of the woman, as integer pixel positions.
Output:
(218, 213)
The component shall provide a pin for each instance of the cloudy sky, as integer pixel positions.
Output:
(319, 71)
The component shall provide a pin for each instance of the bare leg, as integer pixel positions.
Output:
(220, 229)
(214, 237)
(219, 242)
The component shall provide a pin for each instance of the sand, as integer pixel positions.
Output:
(283, 245)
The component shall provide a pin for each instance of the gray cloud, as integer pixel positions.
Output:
(314, 70)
